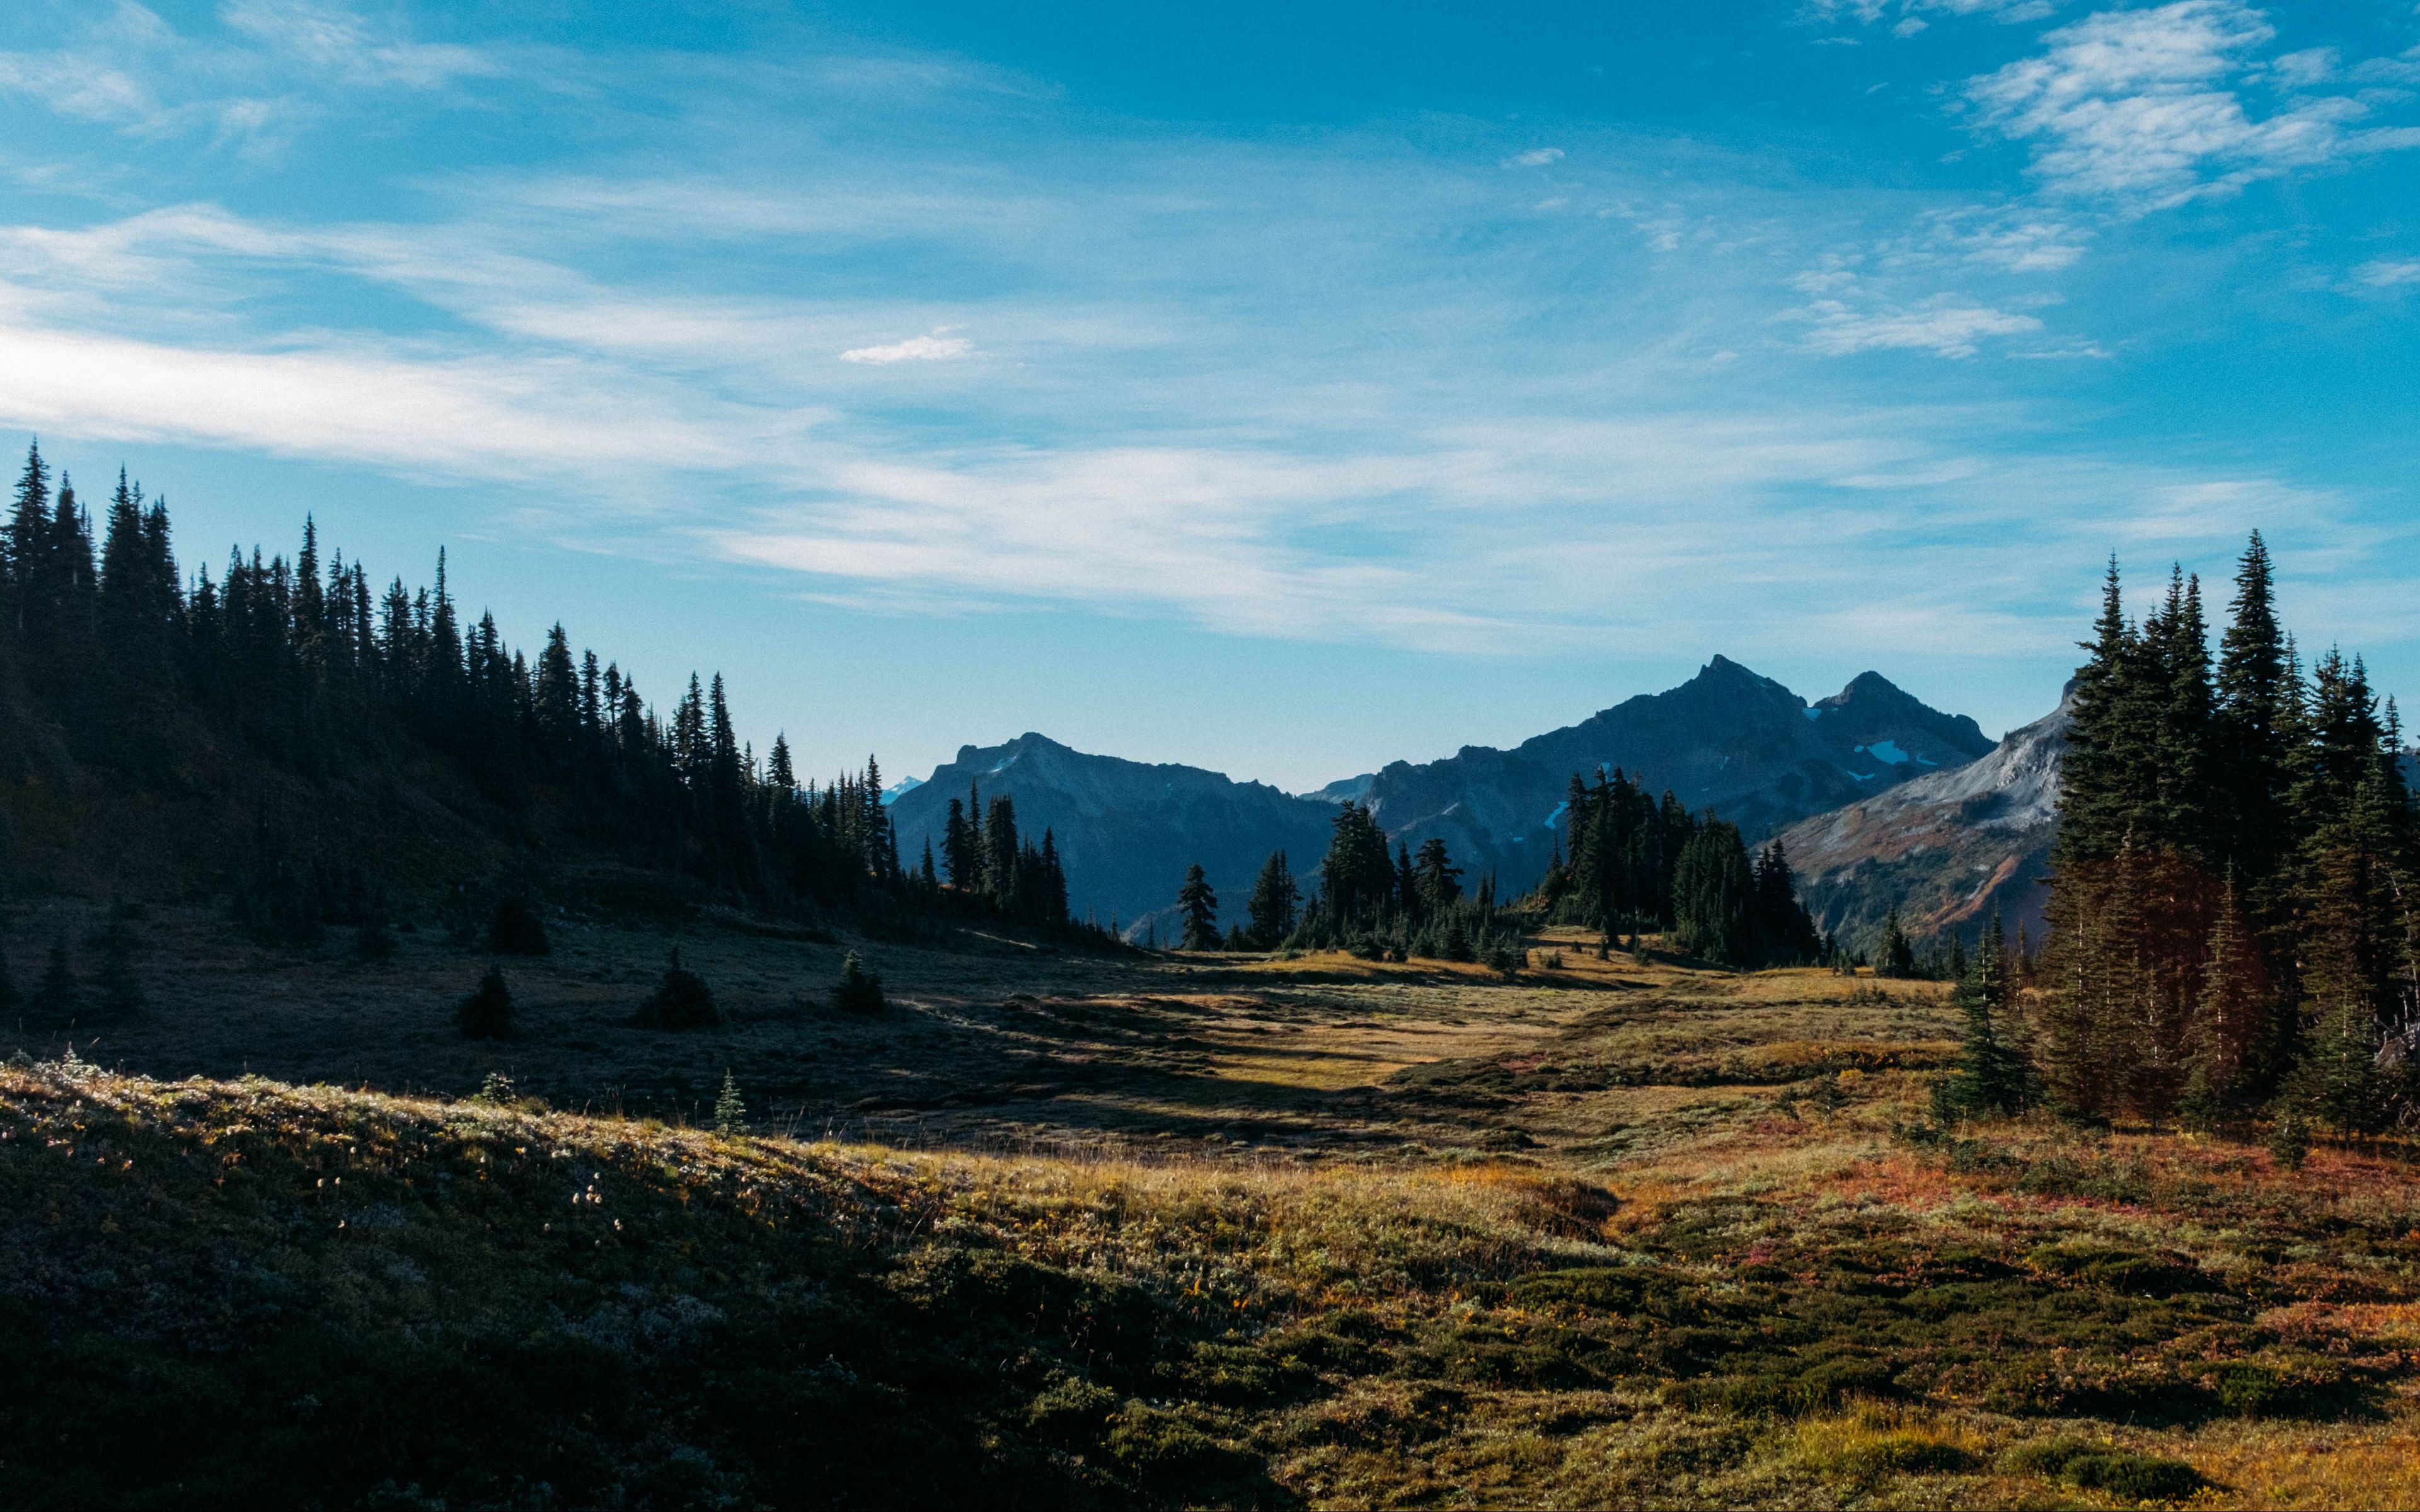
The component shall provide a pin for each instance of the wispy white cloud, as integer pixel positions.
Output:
(338, 45)
(283, 63)
(937, 345)
(1944, 326)
(2140, 109)
(1521, 531)
(2013, 240)
(403, 410)
(1535, 158)
(2388, 272)
(1912, 11)
(1252, 392)
(75, 87)
(2301, 71)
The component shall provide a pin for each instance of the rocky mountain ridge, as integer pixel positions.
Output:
(1946, 849)
(1728, 739)
(1743, 744)
(1124, 830)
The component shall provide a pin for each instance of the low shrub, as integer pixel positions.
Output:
(487, 1012)
(515, 929)
(2104, 1467)
(681, 1001)
(373, 941)
(859, 991)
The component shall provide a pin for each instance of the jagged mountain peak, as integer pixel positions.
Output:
(1728, 738)
(1865, 686)
(1722, 677)
(1719, 667)
(1872, 709)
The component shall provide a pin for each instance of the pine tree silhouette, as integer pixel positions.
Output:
(681, 1001)
(487, 1012)
(859, 991)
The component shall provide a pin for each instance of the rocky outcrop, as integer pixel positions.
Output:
(1945, 849)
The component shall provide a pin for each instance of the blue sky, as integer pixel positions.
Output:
(1280, 388)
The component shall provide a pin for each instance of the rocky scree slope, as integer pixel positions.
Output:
(1944, 848)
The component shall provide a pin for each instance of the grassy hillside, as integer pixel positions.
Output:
(1266, 1233)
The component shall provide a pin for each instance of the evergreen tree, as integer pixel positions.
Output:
(1454, 939)
(2230, 1024)
(1001, 849)
(730, 1112)
(487, 1012)
(555, 694)
(29, 526)
(2098, 780)
(1714, 898)
(2355, 935)
(1894, 956)
(1053, 877)
(1783, 930)
(1273, 902)
(682, 1000)
(594, 709)
(958, 850)
(1358, 879)
(1992, 1075)
(1200, 906)
(1435, 881)
(859, 991)
(2255, 729)
(58, 999)
(121, 992)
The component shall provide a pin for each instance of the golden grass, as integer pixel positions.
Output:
(1250, 1135)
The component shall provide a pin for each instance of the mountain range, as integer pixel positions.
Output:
(1744, 745)
(1751, 749)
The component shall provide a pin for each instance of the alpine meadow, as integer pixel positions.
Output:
(548, 959)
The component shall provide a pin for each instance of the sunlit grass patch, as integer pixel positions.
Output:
(1875, 1441)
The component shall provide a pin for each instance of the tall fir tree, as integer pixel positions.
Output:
(1273, 903)
(1199, 907)
(1993, 1077)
